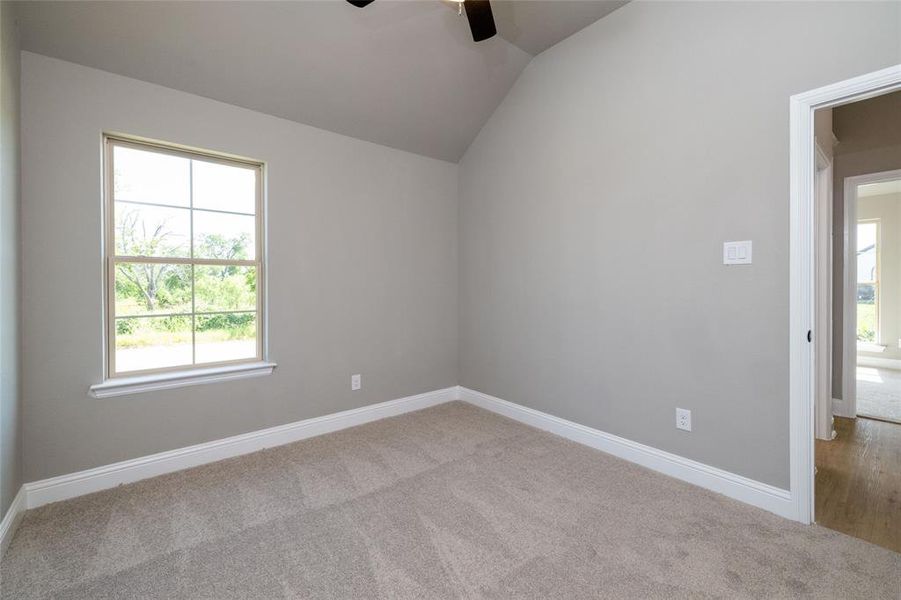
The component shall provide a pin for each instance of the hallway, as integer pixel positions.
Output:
(858, 481)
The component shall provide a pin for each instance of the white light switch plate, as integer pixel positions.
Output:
(737, 253)
(356, 382)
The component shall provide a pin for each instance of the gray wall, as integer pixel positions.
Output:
(362, 271)
(594, 206)
(869, 141)
(10, 399)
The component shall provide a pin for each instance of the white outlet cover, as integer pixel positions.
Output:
(683, 419)
(356, 382)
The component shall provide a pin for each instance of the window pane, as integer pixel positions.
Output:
(866, 251)
(866, 312)
(223, 187)
(152, 343)
(141, 176)
(175, 208)
(219, 288)
(224, 337)
(152, 230)
(223, 236)
(152, 288)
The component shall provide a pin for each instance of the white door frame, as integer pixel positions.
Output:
(802, 269)
(847, 407)
(823, 209)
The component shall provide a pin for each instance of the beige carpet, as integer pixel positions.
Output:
(879, 393)
(449, 502)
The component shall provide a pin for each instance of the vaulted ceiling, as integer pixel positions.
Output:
(404, 74)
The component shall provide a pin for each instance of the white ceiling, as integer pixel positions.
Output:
(536, 25)
(882, 188)
(405, 74)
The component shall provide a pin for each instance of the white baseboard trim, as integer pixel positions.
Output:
(740, 488)
(38, 493)
(11, 520)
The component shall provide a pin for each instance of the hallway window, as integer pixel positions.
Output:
(868, 281)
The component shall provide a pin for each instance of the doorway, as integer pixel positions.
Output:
(857, 480)
(873, 293)
(806, 381)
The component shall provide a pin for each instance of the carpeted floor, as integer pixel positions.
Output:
(448, 502)
(879, 393)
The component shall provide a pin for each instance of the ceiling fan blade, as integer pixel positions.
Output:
(360, 3)
(481, 21)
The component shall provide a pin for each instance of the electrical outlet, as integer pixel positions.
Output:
(356, 382)
(683, 419)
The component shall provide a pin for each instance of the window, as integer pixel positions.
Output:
(868, 281)
(184, 259)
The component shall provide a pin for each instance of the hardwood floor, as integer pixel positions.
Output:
(858, 481)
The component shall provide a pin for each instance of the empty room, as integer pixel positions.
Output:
(442, 299)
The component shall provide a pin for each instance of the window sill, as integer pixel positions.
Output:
(121, 386)
(870, 347)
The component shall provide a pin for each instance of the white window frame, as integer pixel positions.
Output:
(115, 383)
(875, 282)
